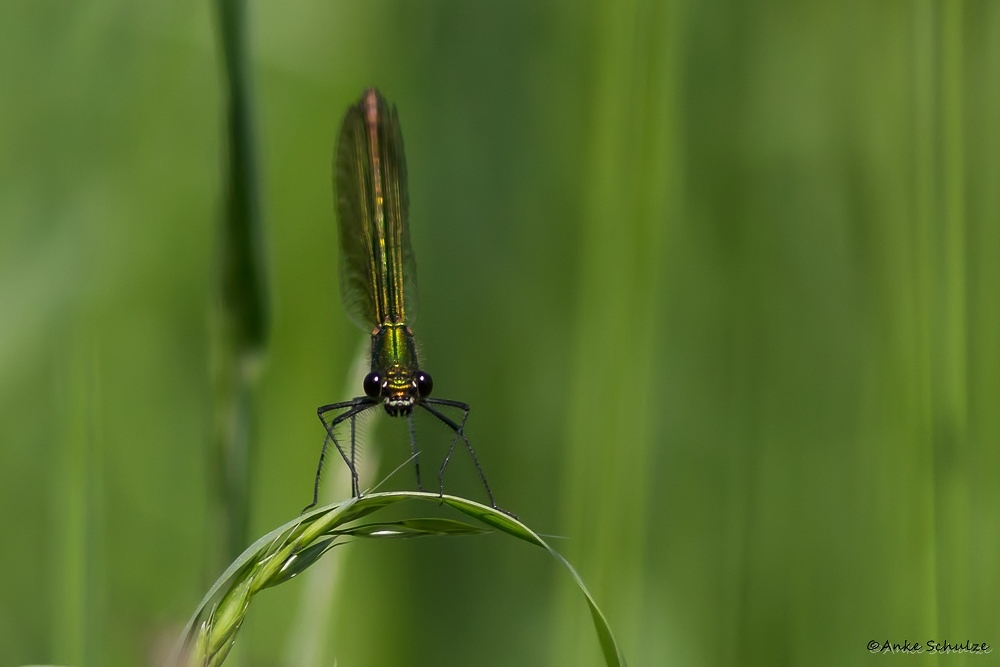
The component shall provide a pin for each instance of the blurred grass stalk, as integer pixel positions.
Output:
(239, 309)
(950, 367)
(79, 602)
(941, 275)
(310, 641)
(633, 129)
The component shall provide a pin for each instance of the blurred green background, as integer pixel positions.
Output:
(719, 280)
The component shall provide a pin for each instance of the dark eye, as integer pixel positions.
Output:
(372, 385)
(424, 384)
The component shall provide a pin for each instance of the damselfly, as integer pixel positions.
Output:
(378, 284)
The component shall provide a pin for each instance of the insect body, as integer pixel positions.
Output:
(378, 283)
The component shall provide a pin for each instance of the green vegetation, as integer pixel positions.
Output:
(287, 551)
(718, 280)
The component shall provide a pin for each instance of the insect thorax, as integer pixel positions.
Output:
(394, 358)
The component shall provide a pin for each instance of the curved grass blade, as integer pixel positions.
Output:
(425, 527)
(609, 647)
(289, 549)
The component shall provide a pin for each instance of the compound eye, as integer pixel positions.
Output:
(372, 385)
(424, 384)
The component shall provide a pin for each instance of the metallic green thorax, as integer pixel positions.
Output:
(394, 357)
(377, 267)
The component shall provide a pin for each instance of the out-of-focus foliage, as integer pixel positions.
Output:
(718, 278)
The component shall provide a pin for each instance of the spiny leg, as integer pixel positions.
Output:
(353, 408)
(355, 490)
(451, 449)
(416, 452)
(319, 470)
(459, 433)
(328, 427)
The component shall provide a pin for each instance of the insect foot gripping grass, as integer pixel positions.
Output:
(289, 549)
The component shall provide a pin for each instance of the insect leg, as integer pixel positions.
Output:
(416, 452)
(459, 430)
(350, 410)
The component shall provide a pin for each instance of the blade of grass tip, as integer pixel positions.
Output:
(609, 647)
(309, 636)
(240, 311)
